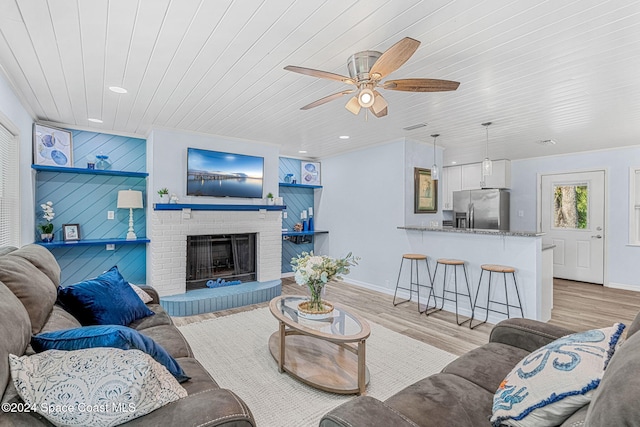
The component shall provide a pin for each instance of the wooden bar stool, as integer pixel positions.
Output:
(414, 259)
(494, 268)
(455, 263)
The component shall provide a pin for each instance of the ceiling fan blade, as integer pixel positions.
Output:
(421, 85)
(381, 113)
(393, 58)
(379, 104)
(320, 74)
(353, 105)
(327, 99)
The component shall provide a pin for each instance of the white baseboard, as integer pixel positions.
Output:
(290, 274)
(623, 286)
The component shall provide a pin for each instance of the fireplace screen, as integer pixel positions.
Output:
(225, 256)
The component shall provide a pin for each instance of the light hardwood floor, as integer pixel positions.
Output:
(577, 306)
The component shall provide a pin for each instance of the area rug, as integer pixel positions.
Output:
(234, 349)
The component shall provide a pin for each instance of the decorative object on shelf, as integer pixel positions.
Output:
(310, 226)
(270, 199)
(425, 191)
(303, 217)
(288, 178)
(173, 199)
(70, 232)
(164, 195)
(434, 169)
(102, 162)
(297, 227)
(130, 199)
(487, 165)
(46, 229)
(310, 174)
(52, 146)
(314, 272)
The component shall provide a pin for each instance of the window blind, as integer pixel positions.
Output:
(9, 200)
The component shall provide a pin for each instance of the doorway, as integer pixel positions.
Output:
(572, 213)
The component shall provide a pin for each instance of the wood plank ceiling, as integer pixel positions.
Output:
(562, 70)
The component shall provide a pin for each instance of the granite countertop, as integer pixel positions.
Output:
(473, 231)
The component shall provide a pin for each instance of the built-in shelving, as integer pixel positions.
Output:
(85, 171)
(93, 242)
(286, 184)
(215, 207)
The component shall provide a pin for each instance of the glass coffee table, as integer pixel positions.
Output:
(326, 354)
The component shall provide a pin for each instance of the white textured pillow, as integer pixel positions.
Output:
(551, 383)
(93, 387)
(142, 294)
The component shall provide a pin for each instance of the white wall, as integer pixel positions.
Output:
(167, 163)
(622, 267)
(16, 118)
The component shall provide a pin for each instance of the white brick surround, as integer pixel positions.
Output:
(168, 231)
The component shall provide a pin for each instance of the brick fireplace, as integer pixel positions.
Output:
(168, 231)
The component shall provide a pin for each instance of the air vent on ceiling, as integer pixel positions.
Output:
(546, 142)
(418, 126)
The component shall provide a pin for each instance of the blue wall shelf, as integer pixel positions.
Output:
(214, 207)
(92, 242)
(303, 233)
(285, 184)
(109, 172)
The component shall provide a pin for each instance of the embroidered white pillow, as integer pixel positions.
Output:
(93, 387)
(551, 383)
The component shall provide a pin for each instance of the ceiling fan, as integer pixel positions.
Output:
(367, 69)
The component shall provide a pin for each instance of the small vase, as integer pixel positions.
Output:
(315, 308)
(164, 198)
(47, 237)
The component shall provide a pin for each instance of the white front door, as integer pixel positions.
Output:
(572, 218)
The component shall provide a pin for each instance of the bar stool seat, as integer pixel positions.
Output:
(455, 263)
(414, 259)
(499, 269)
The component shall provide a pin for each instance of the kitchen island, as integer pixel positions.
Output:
(522, 250)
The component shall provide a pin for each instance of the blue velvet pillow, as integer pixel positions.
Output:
(106, 300)
(120, 337)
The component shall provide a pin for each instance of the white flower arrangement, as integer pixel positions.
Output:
(315, 271)
(47, 214)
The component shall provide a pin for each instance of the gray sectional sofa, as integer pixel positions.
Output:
(462, 394)
(29, 278)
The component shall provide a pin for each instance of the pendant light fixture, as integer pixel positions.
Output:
(435, 173)
(487, 165)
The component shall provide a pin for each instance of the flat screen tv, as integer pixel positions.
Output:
(218, 174)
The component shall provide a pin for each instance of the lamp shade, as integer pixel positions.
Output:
(129, 199)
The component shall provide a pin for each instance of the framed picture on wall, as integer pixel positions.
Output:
(425, 191)
(52, 146)
(70, 232)
(310, 173)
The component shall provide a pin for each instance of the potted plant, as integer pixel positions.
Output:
(270, 199)
(46, 229)
(164, 195)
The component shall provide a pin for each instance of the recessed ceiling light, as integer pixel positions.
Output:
(95, 120)
(302, 151)
(344, 137)
(117, 89)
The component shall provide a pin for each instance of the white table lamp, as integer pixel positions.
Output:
(130, 199)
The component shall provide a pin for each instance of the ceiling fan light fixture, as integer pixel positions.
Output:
(366, 98)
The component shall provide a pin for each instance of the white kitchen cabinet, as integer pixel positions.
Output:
(471, 176)
(500, 176)
(451, 181)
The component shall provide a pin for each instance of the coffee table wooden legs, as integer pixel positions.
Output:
(362, 367)
(282, 331)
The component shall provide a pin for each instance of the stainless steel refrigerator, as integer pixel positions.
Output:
(483, 209)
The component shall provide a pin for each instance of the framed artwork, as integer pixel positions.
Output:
(70, 232)
(52, 146)
(425, 191)
(310, 173)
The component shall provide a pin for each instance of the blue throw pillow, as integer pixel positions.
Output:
(120, 337)
(106, 300)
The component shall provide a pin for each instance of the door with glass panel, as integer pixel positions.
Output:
(572, 218)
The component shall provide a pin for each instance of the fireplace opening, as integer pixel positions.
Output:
(223, 256)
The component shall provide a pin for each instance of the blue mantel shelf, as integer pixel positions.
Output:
(214, 207)
(93, 242)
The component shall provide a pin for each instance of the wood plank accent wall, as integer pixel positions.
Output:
(296, 199)
(85, 199)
